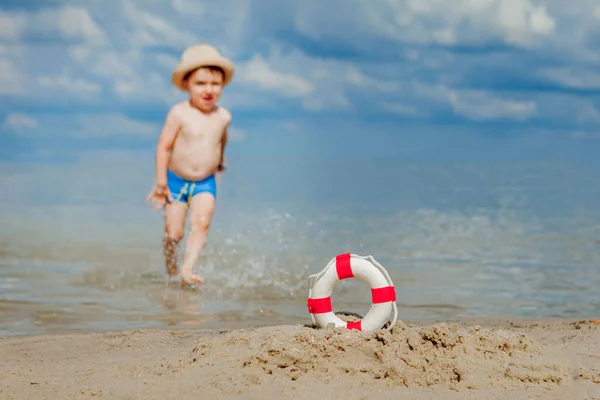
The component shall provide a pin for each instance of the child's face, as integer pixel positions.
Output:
(204, 87)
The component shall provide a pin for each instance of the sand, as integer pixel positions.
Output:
(467, 359)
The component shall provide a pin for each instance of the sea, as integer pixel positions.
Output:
(80, 250)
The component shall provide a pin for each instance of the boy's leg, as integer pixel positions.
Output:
(174, 228)
(202, 207)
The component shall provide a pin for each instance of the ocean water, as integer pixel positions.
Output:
(80, 250)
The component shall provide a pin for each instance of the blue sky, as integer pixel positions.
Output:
(432, 80)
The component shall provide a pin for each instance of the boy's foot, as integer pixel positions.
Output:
(188, 278)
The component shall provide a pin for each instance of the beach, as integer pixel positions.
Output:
(495, 269)
(471, 358)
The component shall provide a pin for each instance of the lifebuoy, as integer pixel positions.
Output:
(346, 266)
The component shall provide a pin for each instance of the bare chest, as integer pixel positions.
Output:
(201, 128)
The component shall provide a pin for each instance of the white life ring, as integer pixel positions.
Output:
(345, 266)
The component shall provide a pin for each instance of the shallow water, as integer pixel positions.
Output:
(477, 240)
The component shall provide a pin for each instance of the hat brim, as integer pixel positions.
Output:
(186, 66)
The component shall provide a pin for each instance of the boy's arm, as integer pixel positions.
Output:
(223, 144)
(227, 117)
(165, 144)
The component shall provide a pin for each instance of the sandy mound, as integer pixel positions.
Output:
(441, 354)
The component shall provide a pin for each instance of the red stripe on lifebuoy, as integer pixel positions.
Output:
(319, 306)
(343, 267)
(383, 295)
(354, 325)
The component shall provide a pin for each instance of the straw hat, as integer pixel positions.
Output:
(202, 55)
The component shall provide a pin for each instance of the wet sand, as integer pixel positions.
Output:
(479, 358)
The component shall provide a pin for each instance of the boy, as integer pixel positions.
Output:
(188, 155)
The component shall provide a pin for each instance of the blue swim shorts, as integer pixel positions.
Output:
(183, 190)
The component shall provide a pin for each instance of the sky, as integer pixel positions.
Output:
(415, 80)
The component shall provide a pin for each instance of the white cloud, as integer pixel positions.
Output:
(114, 65)
(151, 88)
(520, 21)
(79, 53)
(125, 68)
(229, 25)
(12, 81)
(152, 30)
(572, 110)
(404, 109)
(129, 75)
(258, 71)
(75, 23)
(333, 101)
(17, 121)
(67, 22)
(577, 78)
(112, 124)
(588, 114)
(236, 134)
(188, 7)
(427, 21)
(319, 84)
(355, 77)
(10, 27)
(480, 105)
(82, 125)
(477, 105)
(77, 87)
(166, 61)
